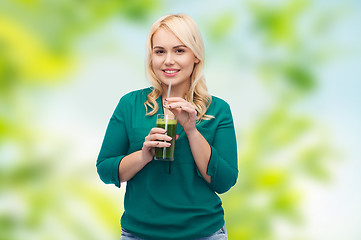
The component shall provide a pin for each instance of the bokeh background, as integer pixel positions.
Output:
(289, 69)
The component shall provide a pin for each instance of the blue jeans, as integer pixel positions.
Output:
(221, 234)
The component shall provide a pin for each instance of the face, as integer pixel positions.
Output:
(171, 59)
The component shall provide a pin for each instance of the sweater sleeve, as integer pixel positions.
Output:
(223, 163)
(115, 145)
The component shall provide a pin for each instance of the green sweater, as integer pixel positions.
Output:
(180, 204)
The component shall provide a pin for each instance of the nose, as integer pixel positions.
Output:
(169, 60)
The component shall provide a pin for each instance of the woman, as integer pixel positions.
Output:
(183, 203)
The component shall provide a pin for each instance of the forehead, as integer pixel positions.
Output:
(165, 38)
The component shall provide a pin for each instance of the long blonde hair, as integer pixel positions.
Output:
(187, 31)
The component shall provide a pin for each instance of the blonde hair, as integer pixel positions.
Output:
(187, 31)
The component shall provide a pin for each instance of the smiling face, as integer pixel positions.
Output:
(172, 60)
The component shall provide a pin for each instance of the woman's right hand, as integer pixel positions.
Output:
(155, 138)
(134, 162)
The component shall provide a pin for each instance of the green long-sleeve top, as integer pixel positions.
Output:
(179, 204)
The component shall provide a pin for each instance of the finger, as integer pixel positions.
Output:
(176, 137)
(158, 137)
(176, 102)
(175, 99)
(153, 144)
(190, 110)
(157, 130)
(177, 108)
(176, 105)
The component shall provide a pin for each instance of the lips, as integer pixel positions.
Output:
(170, 72)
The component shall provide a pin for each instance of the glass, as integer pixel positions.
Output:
(168, 123)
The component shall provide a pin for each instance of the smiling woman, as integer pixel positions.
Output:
(185, 40)
(172, 60)
(182, 203)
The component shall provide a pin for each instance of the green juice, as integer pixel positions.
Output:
(167, 153)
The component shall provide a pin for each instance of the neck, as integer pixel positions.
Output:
(176, 90)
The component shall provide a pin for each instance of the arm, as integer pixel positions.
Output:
(187, 116)
(201, 152)
(114, 165)
(114, 147)
(134, 162)
(223, 163)
(217, 161)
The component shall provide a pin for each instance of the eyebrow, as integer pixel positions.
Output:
(178, 46)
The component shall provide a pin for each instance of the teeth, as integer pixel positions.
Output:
(168, 71)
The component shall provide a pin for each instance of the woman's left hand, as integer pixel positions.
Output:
(184, 112)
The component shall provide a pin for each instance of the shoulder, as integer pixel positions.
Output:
(219, 108)
(219, 101)
(136, 94)
(132, 100)
(218, 104)
(221, 112)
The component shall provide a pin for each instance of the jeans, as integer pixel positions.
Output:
(221, 234)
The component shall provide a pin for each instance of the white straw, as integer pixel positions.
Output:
(169, 87)
(166, 117)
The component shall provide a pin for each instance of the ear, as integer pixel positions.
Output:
(196, 60)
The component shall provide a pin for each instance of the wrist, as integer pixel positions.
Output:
(192, 132)
(145, 158)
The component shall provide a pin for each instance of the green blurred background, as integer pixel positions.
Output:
(289, 69)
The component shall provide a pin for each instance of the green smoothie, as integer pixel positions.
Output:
(167, 153)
